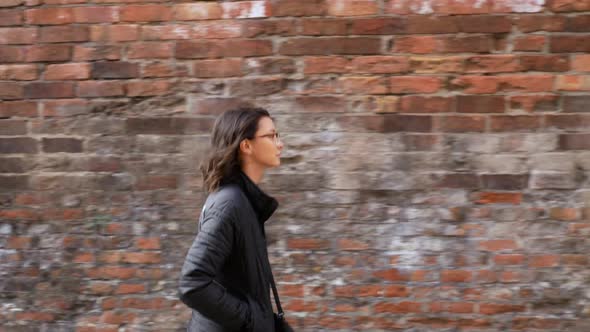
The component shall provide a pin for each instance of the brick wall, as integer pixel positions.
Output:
(435, 176)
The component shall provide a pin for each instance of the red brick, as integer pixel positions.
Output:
(141, 257)
(573, 83)
(492, 64)
(351, 8)
(427, 104)
(82, 258)
(460, 307)
(568, 121)
(292, 290)
(167, 32)
(546, 63)
(62, 34)
(463, 7)
(379, 64)
(60, 144)
(395, 291)
(18, 108)
(461, 124)
(498, 245)
(10, 17)
(398, 308)
(480, 104)
(298, 7)
(150, 50)
(18, 35)
(148, 243)
(569, 43)
(425, 24)
(574, 259)
(34, 316)
(508, 259)
(198, 11)
(414, 84)
(50, 16)
(334, 45)
(320, 104)
(41, 90)
(581, 62)
(114, 33)
(307, 244)
(363, 85)
(352, 244)
(496, 197)
(99, 52)
(391, 275)
(19, 242)
(533, 23)
(224, 48)
(541, 261)
(96, 14)
(245, 9)
(65, 107)
(569, 5)
(261, 28)
(18, 72)
(324, 27)
(148, 88)
(524, 323)
(11, 90)
(516, 7)
(217, 68)
(163, 70)
(536, 103)
(145, 13)
(48, 53)
(472, 44)
(16, 214)
(455, 276)
(325, 65)
(530, 43)
(506, 123)
(69, 71)
(130, 289)
(415, 44)
(100, 89)
(485, 24)
(579, 23)
(118, 317)
(495, 309)
(301, 306)
(437, 64)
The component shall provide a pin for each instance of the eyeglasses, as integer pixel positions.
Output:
(275, 136)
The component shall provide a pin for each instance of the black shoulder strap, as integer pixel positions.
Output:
(276, 295)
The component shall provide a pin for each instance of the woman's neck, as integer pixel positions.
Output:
(254, 173)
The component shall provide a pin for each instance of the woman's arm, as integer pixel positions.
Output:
(198, 288)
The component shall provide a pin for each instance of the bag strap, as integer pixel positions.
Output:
(281, 313)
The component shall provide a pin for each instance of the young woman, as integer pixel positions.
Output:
(226, 275)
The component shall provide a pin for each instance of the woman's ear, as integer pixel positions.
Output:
(245, 147)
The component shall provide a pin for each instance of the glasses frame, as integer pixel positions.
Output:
(276, 137)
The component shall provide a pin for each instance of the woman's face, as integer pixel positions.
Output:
(266, 146)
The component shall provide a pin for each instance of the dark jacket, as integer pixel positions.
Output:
(225, 278)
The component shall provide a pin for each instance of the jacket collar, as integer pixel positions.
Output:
(263, 204)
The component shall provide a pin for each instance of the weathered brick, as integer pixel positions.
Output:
(260, 28)
(351, 8)
(69, 71)
(535, 103)
(61, 34)
(530, 43)
(414, 84)
(13, 165)
(148, 88)
(18, 145)
(18, 72)
(269, 66)
(574, 142)
(9, 17)
(100, 52)
(45, 53)
(100, 89)
(255, 86)
(492, 64)
(335, 45)
(573, 83)
(568, 6)
(53, 145)
(115, 69)
(217, 68)
(18, 35)
(96, 14)
(246, 9)
(363, 85)
(145, 13)
(480, 104)
(581, 62)
(13, 127)
(460, 123)
(218, 49)
(50, 16)
(569, 43)
(41, 90)
(198, 11)
(423, 104)
(65, 107)
(25, 109)
(11, 90)
(324, 27)
(167, 126)
(298, 7)
(150, 50)
(114, 33)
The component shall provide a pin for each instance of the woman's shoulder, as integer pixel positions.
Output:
(227, 197)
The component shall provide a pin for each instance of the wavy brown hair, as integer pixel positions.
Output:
(230, 128)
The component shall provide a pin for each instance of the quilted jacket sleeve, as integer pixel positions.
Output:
(198, 288)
